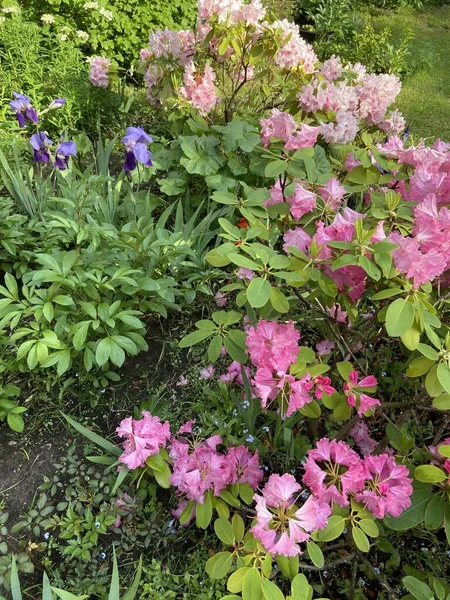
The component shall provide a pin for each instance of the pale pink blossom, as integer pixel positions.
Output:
(325, 347)
(305, 137)
(360, 433)
(332, 193)
(221, 299)
(206, 373)
(297, 238)
(99, 72)
(273, 345)
(244, 273)
(199, 89)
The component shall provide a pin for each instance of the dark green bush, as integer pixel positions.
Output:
(120, 35)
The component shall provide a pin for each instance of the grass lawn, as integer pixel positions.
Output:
(425, 97)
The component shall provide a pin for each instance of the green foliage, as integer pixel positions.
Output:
(119, 35)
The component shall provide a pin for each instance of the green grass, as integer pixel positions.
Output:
(425, 97)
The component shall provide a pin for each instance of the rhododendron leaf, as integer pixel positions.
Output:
(243, 261)
(214, 348)
(266, 566)
(399, 439)
(231, 597)
(434, 514)
(419, 366)
(271, 591)
(363, 176)
(429, 474)
(225, 198)
(399, 317)
(369, 527)
(333, 530)
(224, 532)
(275, 168)
(433, 336)
(306, 355)
(238, 527)
(343, 411)
(246, 493)
(344, 261)
(328, 286)
(443, 374)
(251, 588)
(428, 351)
(300, 588)
(236, 580)
(315, 554)
(369, 267)
(217, 259)
(447, 522)
(258, 292)
(417, 588)
(331, 401)
(432, 385)
(411, 338)
(344, 368)
(187, 512)
(311, 410)
(412, 516)
(219, 565)
(194, 338)
(156, 462)
(442, 402)
(203, 512)
(235, 351)
(221, 508)
(387, 293)
(229, 499)
(444, 450)
(279, 301)
(361, 540)
(288, 566)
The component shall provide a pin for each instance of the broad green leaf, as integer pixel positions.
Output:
(419, 366)
(412, 516)
(417, 588)
(270, 590)
(278, 300)
(434, 514)
(388, 293)
(432, 385)
(443, 375)
(369, 527)
(224, 532)
(333, 530)
(361, 540)
(195, 337)
(429, 474)
(203, 512)
(219, 565)
(238, 526)
(236, 580)
(315, 554)
(300, 588)
(258, 292)
(288, 566)
(399, 317)
(251, 588)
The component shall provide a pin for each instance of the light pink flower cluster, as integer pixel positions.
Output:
(335, 473)
(143, 437)
(294, 50)
(231, 11)
(356, 397)
(354, 101)
(199, 89)
(99, 72)
(171, 45)
(199, 467)
(281, 125)
(281, 525)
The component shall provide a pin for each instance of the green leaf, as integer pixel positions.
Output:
(251, 589)
(63, 595)
(369, 527)
(229, 499)
(388, 293)
(114, 589)
(275, 168)
(412, 516)
(442, 402)
(195, 337)
(258, 292)
(429, 474)
(201, 155)
(361, 540)
(447, 522)
(103, 351)
(131, 593)
(432, 385)
(270, 590)
(80, 336)
(300, 588)
(288, 566)
(315, 554)
(399, 317)
(344, 368)
(238, 526)
(443, 375)
(419, 366)
(434, 514)
(203, 512)
(417, 588)
(278, 300)
(333, 530)
(224, 532)
(214, 348)
(15, 422)
(15, 583)
(219, 565)
(93, 437)
(236, 580)
(187, 512)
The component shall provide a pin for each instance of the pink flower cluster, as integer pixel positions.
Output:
(143, 437)
(231, 11)
(281, 525)
(294, 50)
(282, 125)
(99, 72)
(200, 467)
(356, 397)
(200, 89)
(334, 472)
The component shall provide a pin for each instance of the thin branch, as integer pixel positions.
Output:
(382, 581)
(330, 565)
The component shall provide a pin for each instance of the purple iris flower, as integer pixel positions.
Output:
(40, 143)
(57, 103)
(136, 148)
(63, 152)
(23, 109)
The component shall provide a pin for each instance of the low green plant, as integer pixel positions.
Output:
(10, 410)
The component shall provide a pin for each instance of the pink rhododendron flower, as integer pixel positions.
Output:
(234, 373)
(388, 487)
(199, 470)
(297, 238)
(280, 524)
(244, 273)
(200, 89)
(332, 68)
(244, 466)
(337, 313)
(221, 299)
(267, 385)
(143, 438)
(99, 73)
(321, 386)
(360, 433)
(276, 195)
(333, 471)
(273, 345)
(302, 202)
(357, 398)
(279, 125)
(299, 395)
(332, 193)
(295, 51)
(305, 137)
(207, 373)
(325, 347)
(186, 427)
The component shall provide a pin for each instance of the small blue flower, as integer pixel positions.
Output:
(249, 439)
(98, 524)
(46, 536)
(103, 555)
